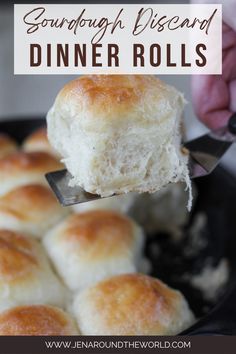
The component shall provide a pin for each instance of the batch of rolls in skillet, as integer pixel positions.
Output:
(82, 270)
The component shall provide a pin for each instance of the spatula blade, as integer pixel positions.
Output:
(207, 151)
(59, 183)
(205, 154)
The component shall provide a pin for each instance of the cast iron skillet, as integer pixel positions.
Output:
(217, 200)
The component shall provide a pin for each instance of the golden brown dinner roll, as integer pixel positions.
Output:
(7, 145)
(38, 141)
(31, 209)
(25, 274)
(23, 168)
(131, 304)
(119, 133)
(91, 246)
(36, 320)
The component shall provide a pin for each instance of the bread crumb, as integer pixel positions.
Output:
(211, 280)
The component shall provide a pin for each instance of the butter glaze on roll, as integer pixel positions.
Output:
(31, 209)
(22, 168)
(91, 246)
(36, 320)
(119, 133)
(131, 304)
(25, 273)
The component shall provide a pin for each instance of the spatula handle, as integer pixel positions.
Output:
(232, 124)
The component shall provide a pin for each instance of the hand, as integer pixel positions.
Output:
(214, 96)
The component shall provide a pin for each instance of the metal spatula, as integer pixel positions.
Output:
(205, 154)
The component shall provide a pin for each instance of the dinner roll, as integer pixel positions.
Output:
(7, 145)
(131, 304)
(91, 246)
(121, 203)
(119, 133)
(23, 168)
(38, 141)
(31, 209)
(25, 274)
(36, 320)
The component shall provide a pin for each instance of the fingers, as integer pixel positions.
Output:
(229, 64)
(228, 37)
(217, 119)
(211, 100)
(214, 96)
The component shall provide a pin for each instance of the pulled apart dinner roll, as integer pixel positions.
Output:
(131, 304)
(7, 145)
(36, 320)
(31, 209)
(91, 246)
(120, 203)
(163, 211)
(25, 274)
(21, 168)
(119, 133)
(38, 141)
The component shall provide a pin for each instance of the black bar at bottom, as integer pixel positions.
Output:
(117, 344)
